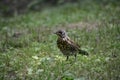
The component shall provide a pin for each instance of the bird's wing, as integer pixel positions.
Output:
(72, 43)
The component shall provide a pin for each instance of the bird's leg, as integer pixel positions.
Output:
(75, 56)
(67, 58)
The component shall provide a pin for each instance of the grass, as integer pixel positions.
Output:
(33, 55)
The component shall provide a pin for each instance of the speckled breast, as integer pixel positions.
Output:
(65, 47)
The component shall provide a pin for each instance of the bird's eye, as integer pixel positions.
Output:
(60, 32)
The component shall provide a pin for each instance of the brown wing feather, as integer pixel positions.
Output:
(72, 43)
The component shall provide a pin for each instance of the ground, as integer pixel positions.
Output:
(28, 46)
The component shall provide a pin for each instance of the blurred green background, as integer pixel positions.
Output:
(28, 49)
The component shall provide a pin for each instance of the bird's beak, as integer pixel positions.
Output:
(55, 33)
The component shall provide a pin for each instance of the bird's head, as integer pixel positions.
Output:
(61, 33)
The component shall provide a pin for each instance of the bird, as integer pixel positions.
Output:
(67, 46)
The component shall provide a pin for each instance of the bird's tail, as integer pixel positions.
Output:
(83, 52)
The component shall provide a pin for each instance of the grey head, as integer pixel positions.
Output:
(61, 33)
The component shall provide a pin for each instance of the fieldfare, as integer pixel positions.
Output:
(67, 46)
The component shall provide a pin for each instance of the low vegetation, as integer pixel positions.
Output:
(28, 48)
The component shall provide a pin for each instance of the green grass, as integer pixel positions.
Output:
(33, 55)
